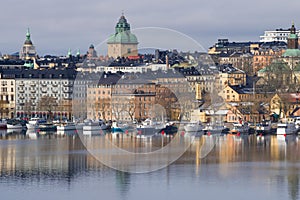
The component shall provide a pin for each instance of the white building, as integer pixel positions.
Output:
(280, 35)
(44, 93)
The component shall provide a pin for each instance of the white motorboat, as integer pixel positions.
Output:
(34, 122)
(66, 126)
(240, 128)
(94, 126)
(149, 128)
(194, 127)
(286, 129)
(264, 128)
(215, 129)
(14, 126)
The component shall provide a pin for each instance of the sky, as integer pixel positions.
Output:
(58, 25)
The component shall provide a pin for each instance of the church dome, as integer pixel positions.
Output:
(122, 33)
(291, 53)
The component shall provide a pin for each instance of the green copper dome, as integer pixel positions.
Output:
(276, 66)
(291, 53)
(122, 33)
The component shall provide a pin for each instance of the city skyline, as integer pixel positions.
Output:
(57, 26)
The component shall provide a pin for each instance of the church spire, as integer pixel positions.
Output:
(292, 42)
(293, 29)
(28, 34)
(28, 39)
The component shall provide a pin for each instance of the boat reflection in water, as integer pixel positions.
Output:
(63, 161)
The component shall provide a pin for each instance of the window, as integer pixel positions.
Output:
(128, 50)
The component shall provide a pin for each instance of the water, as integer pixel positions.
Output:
(59, 167)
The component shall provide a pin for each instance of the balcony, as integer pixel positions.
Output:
(21, 84)
(67, 84)
(67, 91)
(21, 91)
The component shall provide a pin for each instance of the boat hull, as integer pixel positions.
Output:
(16, 126)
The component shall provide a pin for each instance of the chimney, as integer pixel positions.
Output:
(167, 62)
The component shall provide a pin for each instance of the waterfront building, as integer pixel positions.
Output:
(122, 43)
(284, 104)
(44, 93)
(99, 97)
(7, 95)
(28, 51)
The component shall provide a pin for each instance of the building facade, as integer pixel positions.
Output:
(7, 95)
(44, 93)
(276, 35)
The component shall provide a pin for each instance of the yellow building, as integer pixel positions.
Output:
(7, 96)
(234, 77)
(284, 104)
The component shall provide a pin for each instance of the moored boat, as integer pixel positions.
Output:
(34, 122)
(3, 124)
(194, 127)
(286, 129)
(239, 128)
(44, 127)
(14, 124)
(66, 126)
(149, 128)
(119, 128)
(264, 128)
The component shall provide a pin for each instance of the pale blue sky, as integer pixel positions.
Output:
(57, 25)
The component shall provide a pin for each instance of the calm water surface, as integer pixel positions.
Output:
(58, 167)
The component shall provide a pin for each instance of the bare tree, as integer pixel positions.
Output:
(48, 104)
(103, 105)
(4, 109)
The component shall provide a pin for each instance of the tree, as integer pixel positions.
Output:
(166, 98)
(4, 109)
(48, 104)
(103, 105)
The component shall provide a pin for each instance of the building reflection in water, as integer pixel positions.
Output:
(51, 157)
